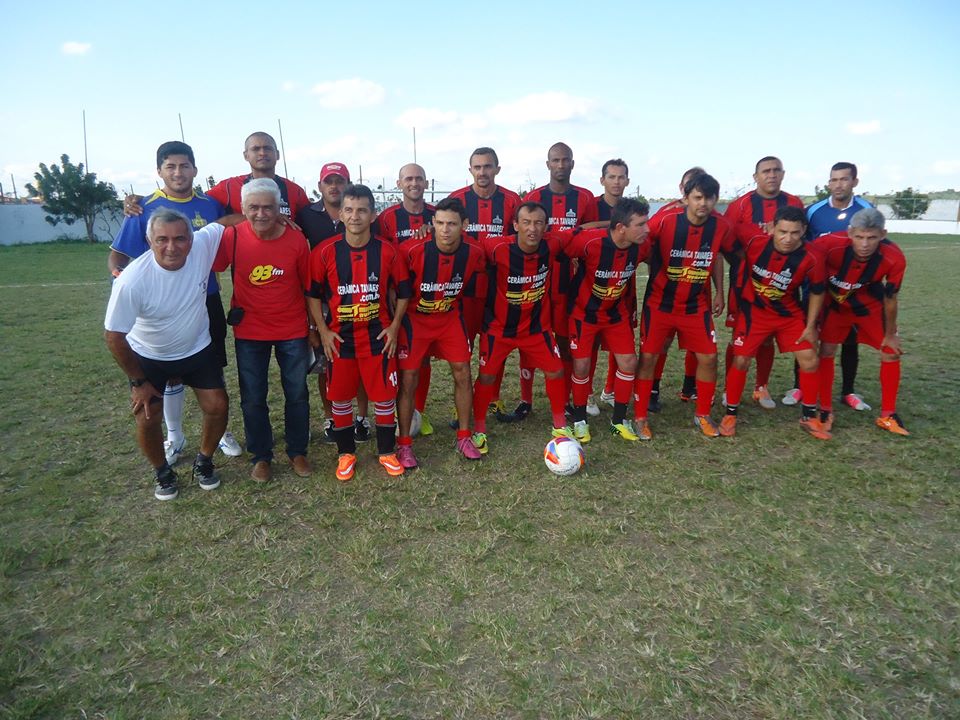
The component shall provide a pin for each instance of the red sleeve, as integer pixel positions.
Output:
(569, 242)
(588, 207)
(816, 275)
(400, 272)
(221, 193)
(303, 261)
(729, 242)
(896, 269)
(226, 250)
(318, 271)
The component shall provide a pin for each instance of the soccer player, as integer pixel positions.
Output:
(354, 275)
(157, 328)
(864, 272)
(749, 213)
(443, 269)
(601, 309)
(774, 269)
(408, 220)
(614, 177)
(177, 169)
(683, 250)
(518, 316)
(567, 206)
(831, 215)
(490, 211)
(269, 265)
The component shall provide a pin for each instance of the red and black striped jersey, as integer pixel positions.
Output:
(681, 257)
(750, 211)
(438, 280)
(604, 279)
(860, 285)
(293, 198)
(772, 279)
(354, 282)
(518, 304)
(603, 210)
(488, 217)
(398, 225)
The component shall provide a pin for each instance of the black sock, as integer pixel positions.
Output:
(732, 409)
(346, 444)
(849, 361)
(619, 413)
(386, 439)
(579, 413)
(796, 374)
(655, 389)
(689, 384)
(809, 411)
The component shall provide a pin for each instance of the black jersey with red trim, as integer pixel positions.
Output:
(354, 282)
(518, 303)
(488, 217)
(438, 280)
(681, 257)
(860, 285)
(398, 225)
(293, 198)
(772, 279)
(601, 290)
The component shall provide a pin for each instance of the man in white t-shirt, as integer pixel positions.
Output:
(157, 328)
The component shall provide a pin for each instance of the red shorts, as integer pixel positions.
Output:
(378, 375)
(536, 351)
(473, 308)
(559, 317)
(754, 326)
(645, 323)
(617, 338)
(694, 332)
(440, 335)
(733, 308)
(836, 323)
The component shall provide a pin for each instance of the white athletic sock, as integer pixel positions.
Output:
(173, 411)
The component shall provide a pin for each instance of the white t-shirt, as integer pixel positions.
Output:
(164, 312)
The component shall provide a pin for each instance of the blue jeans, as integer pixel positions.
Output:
(253, 365)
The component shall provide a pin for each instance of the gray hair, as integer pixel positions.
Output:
(260, 186)
(867, 219)
(167, 215)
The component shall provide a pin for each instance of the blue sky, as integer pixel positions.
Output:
(662, 85)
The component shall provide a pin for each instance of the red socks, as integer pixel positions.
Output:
(889, 386)
(826, 372)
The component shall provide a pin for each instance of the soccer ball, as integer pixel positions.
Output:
(563, 456)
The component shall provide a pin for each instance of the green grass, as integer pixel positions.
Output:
(769, 576)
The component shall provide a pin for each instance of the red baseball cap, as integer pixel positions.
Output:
(334, 169)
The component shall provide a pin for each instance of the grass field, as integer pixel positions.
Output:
(766, 576)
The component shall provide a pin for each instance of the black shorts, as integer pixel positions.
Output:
(218, 327)
(201, 370)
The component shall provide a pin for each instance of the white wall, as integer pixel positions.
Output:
(26, 224)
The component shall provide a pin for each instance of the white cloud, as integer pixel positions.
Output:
(865, 127)
(541, 107)
(350, 92)
(289, 86)
(72, 47)
(426, 118)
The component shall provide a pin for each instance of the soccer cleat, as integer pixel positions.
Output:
(480, 442)
(328, 431)
(581, 431)
(166, 487)
(728, 425)
(793, 397)
(406, 457)
(361, 429)
(592, 408)
(172, 450)
(641, 428)
(466, 448)
(688, 396)
(892, 423)
(706, 425)
(826, 420)
(815, 428)
(625, 432)
(522, 410)
(607, 398)
(205, 475)
(391, 465)
(499, 412)
(566, 432)
(426, 427)
(229, 445)
(654, 405)
(346, 464)
(762, 396)
(855, 401)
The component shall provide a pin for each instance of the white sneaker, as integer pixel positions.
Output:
(229, 445)
(592, 408)
(606, 398)
(173, 451)
(792, 397)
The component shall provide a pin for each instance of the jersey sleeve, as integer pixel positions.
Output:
(221, 193)
(226, 250)
(298, 198)
(318, 272)
(589, 209)
(132, 238)
(207, 240)
(122, 308)
(816, 275)
(895, 271)
(400, 272)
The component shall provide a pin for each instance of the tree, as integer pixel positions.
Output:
(822, 193)
(70, 194)
(909, 204)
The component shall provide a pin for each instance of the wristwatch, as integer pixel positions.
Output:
(137, 382)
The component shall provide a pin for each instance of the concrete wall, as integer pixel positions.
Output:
(26, 224)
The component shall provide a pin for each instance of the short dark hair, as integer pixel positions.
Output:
(764, 159)
(837, 167)
(615, 161)
(486, 151)
(690, 172)
(453, 205)
(259, 133)
(530, 206)
(358, 191)
(790, 214)
(625, 209)
(174, 147)
(707, 184)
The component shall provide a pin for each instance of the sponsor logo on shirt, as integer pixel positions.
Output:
(264, 274)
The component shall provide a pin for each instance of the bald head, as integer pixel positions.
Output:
(260, 150)
(412, 182)
(560, 165)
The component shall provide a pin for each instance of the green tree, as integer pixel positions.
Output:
(822, 193)
(909, 204)
(70, 194)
